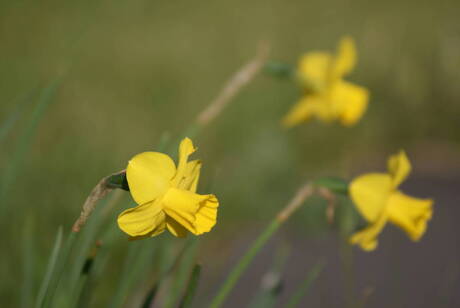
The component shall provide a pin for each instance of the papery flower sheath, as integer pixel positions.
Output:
(378, 199)
(166, 196)
(327, 96)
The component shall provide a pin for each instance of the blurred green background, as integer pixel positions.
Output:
(133, 70)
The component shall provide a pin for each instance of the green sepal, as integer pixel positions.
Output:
(118, 181)
(334, 184)
(279, 69)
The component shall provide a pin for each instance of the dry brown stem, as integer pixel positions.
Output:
(299, 198)
(331, 200)
(234, 85)
(99, 192)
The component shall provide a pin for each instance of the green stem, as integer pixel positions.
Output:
(299, 198)
(239, 269)
(305, 285)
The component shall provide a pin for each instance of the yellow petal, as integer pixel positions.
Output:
(206, 216)
(370, 193)
(399, 167)
(410, 214)
(191, 176)
(313, 70)
(182, 206)
(197, 213)
(367, 238)
(186, 149)
(142, 219)
(175, 228)
(157, 231)
(308, 107)
(148, 175)
(345, 60)
(350, 101)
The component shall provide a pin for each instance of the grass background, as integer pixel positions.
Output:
(132, 70)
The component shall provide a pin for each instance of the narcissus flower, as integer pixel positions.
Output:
(379, 201)
(166, 196)
(327, 96)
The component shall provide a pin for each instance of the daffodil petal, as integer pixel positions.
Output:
(148, 175)
(206, 216)
(303, 111)
(350, 101)
(142, 219)
(370, 193)
(367, 238)
(313, 70)
(182, 206)
(345, 60)
(410, 214)
(186, 149)
(191, 176)
(399, 168)
(157, 231)
(175, 228)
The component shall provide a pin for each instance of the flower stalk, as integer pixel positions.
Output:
(296, 202)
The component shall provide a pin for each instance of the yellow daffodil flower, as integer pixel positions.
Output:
(379, 201)
(327, 96)
(166, 196)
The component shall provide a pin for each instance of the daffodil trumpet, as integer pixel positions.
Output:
(378, 200)
(166, 196)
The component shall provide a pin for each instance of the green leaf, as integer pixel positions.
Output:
(150, 297)
(305, 285)
(20, 103)
(50, 269)
(191, 287)
(61, 266)
(184, 267)
(28, 263)
(272, 285)
(12, 169)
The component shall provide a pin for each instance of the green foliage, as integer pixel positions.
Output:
(135, 70)
(305, 286)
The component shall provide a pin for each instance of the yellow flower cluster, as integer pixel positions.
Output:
(166, 194)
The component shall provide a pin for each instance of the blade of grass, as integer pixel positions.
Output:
(86, 240)
(271, 290)
(49, 269)
(183, 272)
(150, 296)
(126, 278)
(167, 268)
(28, 260)
(305, 285)
(271, 285)
(82, 287)
(12, 169)
(60, 268)
(20, 103)
(191, 287)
